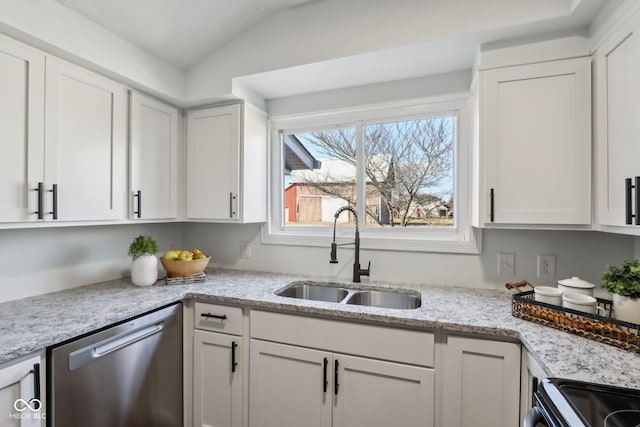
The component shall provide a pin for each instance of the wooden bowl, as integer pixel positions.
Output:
(176, 268)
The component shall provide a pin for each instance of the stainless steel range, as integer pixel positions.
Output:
(562, 403)
(128, 375)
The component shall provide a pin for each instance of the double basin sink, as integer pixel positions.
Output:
(338, 293)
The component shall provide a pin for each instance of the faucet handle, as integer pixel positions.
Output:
(366, 271)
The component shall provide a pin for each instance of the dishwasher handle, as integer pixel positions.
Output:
(533, 417)
(80, 358)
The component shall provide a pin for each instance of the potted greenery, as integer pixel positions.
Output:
(624, 283)
(144, 268)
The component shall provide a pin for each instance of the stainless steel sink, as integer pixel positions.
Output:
(386, 299)
(337, 293)
(315, 292)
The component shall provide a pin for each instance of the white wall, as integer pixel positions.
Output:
(48, 25)
(37, 261)
(579, 253)
(315, 33)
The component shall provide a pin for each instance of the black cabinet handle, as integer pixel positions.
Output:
(54, 191)
(325, 380)
(637, 196)
(234, 345)
(138, 195)
(492, 198)
(40, 191)
(335, 373)
(627, 201)
(214, 316)
(36, 387)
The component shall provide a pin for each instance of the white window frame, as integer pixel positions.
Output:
(462, 238)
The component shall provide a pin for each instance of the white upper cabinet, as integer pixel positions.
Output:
(535, 144)
(86, 144)
(226, 164)
(21, 131)
(153, 159)
(617, 94)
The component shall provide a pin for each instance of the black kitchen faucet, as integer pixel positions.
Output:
(357, 271)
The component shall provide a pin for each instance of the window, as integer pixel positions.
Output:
(404, 169)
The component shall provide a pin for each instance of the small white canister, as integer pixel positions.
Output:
(576, 285)
(548, 295)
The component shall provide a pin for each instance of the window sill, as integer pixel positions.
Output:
(444, 243)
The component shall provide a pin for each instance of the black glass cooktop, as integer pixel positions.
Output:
(577, 403)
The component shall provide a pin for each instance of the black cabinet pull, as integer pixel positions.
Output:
(628, 215)
(40, 191)
(325, 380)
(234, 345)
(214, 316)
(637, 196)
(138, 212)
(492, 199)
(36, 387)
(335, 373)
(54, 191)
(632, 211)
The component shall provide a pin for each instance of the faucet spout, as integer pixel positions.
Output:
(357, 270)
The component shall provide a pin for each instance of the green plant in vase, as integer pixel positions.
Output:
(624, 284)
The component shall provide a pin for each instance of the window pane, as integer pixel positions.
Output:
(409, 173)
(319, 176)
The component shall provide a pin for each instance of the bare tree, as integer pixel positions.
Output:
(402, 161)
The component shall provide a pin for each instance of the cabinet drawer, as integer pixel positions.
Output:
(218, 318)
(379, 342)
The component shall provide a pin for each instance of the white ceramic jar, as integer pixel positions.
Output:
(548, 295)
(576, 285)
(581, 302)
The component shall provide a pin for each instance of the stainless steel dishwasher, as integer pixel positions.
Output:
(128, 375)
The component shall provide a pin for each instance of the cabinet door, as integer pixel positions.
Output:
(17, 394)
(618, 128)
(536, 136)
(288, 386)
(85, 151)
(21, 130)
(374, 393)
(153, 159)
(217, 385)
(213, 155)
(481, 383)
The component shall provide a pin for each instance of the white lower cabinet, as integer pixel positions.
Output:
(481, 384)
(291, 385)
(378, 393)
(218, 366)
(218, 383)
(21, 398)
(288, 386)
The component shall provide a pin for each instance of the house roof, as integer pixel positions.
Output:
(296, 156)
(340, 171)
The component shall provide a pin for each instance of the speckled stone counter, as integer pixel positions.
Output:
(32, 324)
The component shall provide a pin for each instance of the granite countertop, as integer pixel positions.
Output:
(31, 324)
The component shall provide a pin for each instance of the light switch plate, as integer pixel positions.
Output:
(507, 264)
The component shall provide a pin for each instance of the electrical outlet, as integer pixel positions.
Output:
(506, 264)
(546, 266)
(245, 250)
(171, 244)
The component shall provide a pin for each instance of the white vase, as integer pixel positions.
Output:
(144, 270)
(626, 309)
